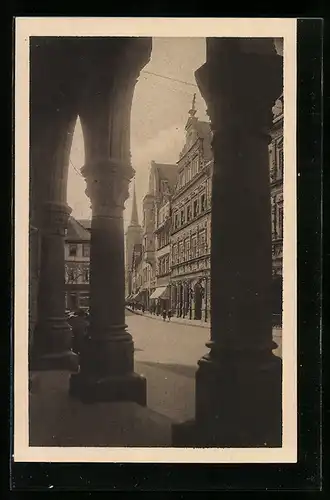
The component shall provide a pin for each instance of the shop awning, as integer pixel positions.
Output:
(160, 293)
(135, 296)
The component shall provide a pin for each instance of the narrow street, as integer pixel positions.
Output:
(166, 353)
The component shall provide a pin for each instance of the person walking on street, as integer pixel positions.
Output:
(169, 314)
(164, 314)
(79, 324)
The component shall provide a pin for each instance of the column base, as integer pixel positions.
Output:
(238, 404)
(51, 349)
(67, 360)
(130, 387)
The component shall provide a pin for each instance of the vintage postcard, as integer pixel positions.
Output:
(155, 240)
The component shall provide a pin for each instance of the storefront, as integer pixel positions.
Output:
(161, 298)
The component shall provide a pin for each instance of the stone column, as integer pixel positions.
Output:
(239, 382)
(107, 364)
(52, 339)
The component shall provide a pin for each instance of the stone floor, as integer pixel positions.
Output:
(58, 420)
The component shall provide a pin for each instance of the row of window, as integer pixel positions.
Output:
(75, 247)
(163, 238)
(189, 212)
(190, 248)
(147, 274)
(163, 265)
(189, 172)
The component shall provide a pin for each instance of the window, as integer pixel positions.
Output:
(181, 182)
(182, 217)
(85, 250)
(72, 250)
(176, 221)
(202, 202)
(189, 173)
(280, 222)
(174, 253)
(181, 251)
(195, 208)
(86, 275)
(187, 249)
(83, 299)
(194, 246)
(280, 161)
(194, 166)
(188, 213)
(202, 242)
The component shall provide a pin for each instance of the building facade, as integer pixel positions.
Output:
(155, 242)
(77, 264)
(174, 268)
(276, 156)
(191, 224)
(167, 176)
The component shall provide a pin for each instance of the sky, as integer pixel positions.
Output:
(158, 118)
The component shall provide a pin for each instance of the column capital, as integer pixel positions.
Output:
(246, 107)
(107, 185)
(56, 216)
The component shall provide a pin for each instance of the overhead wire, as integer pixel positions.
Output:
(169, 78)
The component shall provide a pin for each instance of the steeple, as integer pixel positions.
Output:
(192, 119)
(191, 127)
(192, 111)
(134, 217)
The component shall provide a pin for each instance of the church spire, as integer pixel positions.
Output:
(134, 217)
(192, 111)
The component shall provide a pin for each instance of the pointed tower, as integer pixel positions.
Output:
(134, 217)
(133, 237)
(191, 127)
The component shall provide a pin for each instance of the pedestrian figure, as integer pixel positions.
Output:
(79, 324)
(164, 314)
(169, 314)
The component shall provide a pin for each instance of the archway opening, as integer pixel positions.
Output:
(77, 240)
(169, 122)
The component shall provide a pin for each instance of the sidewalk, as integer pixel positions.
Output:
(174, 319)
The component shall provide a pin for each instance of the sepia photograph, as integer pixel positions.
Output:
(155, 240)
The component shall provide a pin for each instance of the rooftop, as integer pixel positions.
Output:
(78, 230)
